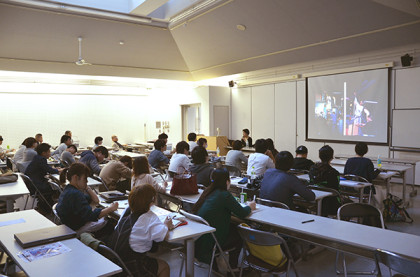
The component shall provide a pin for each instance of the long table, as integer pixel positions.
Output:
(80, 261)
(12, 191)
(121, 153)
(2, 164)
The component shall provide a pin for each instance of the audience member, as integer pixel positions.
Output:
(69, 133)
(261, 160)
(29, 153)
(270, 146)
(156, 158)
(301, 161)
(180, 161)
(235, 157)
(98, 142)
(65, 142)
(201, 167)
(115, 144)
(3, 151)
(246, 139)
(27, 143)
(141, 175)
(93, 158)
(117, 174)
(68, 155)
(39, 138)
(164, 137)
(192, 137)
(202, 142)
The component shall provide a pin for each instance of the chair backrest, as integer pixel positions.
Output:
(322, 188)
(356, 178)
(55, 185)
(113, 256)
(169, 202)
(364, 213)
(97, 178)
(9, 163)
(194, 217)
(298, 171)
(21, 166)
(270, 203)
(233, 170)
(402, 264)
(29, 184)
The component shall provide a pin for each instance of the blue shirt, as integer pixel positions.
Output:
(157, 157)
(37, 170)
(74, 209)
(362, 167)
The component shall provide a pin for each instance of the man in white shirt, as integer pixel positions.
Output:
(180, 161)
(192, 137)
(261, 160)
(115, 144)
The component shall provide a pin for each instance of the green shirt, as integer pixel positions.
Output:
(217, 210)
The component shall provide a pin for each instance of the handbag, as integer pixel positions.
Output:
(394, 210)
(184, 184)
(8, 178)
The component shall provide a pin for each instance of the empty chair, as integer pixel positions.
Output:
(270, 203)
(103, 186)
(368, 190)
(405, 265)
(169, 202)
(114, 257)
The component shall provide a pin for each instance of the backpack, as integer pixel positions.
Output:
(394, 210)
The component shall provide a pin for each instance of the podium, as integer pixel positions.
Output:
(213, 142)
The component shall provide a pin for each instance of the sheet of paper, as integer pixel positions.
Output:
(43, 251)
(11, 222)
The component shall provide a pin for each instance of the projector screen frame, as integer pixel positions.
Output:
(388, 119)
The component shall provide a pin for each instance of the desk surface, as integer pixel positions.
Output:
(387, 160)
(2, 164)
(13, 190)
(345, 183)
(91, 181)
(80, 261)
(126, 153)
(339, 165)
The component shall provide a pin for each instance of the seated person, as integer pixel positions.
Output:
(27, 143)
(68, 155)
(64, 143)
(115, 144)
(236, 157)
(279, 185)
(164, 137)
(156, 158)
(202, 142)
(324, 175)
(180, 161)
(141, 175)
(117, 174)
(36, 170)
(216, 205)
(136, 232)
(246, 139)
(93, 158)
(192, 137)
(200, 165)
(30, 152)
(74, 205)
(98, 142)
(261, 160)
(301, 161)
(270, 146)
(39, 138)
(3, 152)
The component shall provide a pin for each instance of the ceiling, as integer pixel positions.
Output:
(208, 44)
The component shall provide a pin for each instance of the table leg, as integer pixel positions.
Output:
(189, 269)
(361, 194)
(404, 187)
(10, 207)
(319, 202)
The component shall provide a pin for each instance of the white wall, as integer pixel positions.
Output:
(241, 111)
(218, 96)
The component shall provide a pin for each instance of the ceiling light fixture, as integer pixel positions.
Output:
(241, 27)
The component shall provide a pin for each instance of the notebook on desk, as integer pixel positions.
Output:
(114, 195)
(44, 236)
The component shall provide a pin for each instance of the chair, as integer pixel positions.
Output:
(233, 170)
(55, 185)
(216, 247)
(335, 193)
(169, 202)
(270, 203)
(298, 171)
(356, 178)
(265, 241)
(33, 190)
(114, 257)
(57, 219)
(97, 178)
(405, 265)
(362, 214)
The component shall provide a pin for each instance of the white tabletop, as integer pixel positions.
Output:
(80, 261)
(339, 166)
(91, 181)
(126, 153)
(387, 160)
(13, 190)
(2, 164)
(345, 183)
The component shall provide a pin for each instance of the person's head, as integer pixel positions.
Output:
(302, 151)
(361, 148)
(68, 133)
(182, 147)
(260, 146)
(127, 161)
(72, 148)
(270, 144)
(192, 137)
(237, 145)
(98, 140)
(202, 142)
(1, 140)
(141, 198)
(160, 145)
(326, 153)
(199, 155)
(100, 153)
(140, 166)
(39, 138)
(164, 137)
(219, 180)
(284, 160)
(114, 138)
(44, 150)
(30, 143)
(76, 174)
(245, 133)
(65, 139)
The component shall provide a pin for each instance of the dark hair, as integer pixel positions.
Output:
(29, 142)
(101, 149)
(237, 145)
(199, 154)
(78, 169)
(98, 139)
(246, 131)
(361, 148)
(72, 145)
(326, 153)
(128, 160)
(201, 141)
(38, 135)
(159, 144)
(140, 198)
(182, 146)
(284, 160)
(43, 147)
(163, 136)
(192, 136)
(270, 144)
(64, 138)
(301, 150)
(140, 166)
(219, 177)
(260, 146)
(1, 138)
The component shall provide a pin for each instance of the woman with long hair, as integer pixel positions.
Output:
(141, 175)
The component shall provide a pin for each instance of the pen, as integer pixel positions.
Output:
(307, 221)
(254, 198)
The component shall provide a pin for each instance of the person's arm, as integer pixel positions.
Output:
(48, 168)
(250, 142)
(112, 208)
(92, 196)
(94, 165)
(372, 173)
(155, 184)
(271, 161)
(243, 158)
(124, 171)
(233, 206)
(346, 168)
(80, 206)
(300, 188)
(163, 158)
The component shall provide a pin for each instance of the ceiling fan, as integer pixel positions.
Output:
(81, 61)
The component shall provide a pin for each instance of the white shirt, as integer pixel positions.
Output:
(179, 163)
(147, 179)
(193, 145)
(60, 149)
(18, 157)
(260, 162)
(148, 228)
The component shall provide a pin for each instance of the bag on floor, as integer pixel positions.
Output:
(394, 210)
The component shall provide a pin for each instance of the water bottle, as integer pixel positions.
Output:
(243, 196)
(379, 162)
(218, 152)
